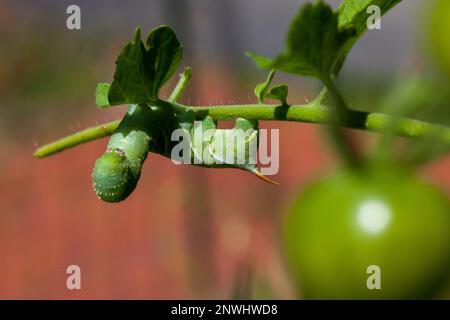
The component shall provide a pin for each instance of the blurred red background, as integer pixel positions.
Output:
(185, 232)
(156, 244)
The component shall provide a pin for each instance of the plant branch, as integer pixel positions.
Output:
(181, 85)
(342, 142)
(308, 113)
(90, 134)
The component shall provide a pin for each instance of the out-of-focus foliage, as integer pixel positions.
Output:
(439, 30)
(423, 97)
(420, 97)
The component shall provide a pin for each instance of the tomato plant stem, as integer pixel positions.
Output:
(340, 139)
(80, 137)
(308, 113)
(181, 85)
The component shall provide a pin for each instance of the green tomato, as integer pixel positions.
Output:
(439, 31)
(344, 224)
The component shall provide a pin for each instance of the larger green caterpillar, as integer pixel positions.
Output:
(117, 171)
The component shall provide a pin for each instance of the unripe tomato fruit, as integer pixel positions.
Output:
(349, 221)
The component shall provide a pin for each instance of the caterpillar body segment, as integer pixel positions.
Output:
(117, 171)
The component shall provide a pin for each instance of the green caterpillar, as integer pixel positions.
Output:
(117, 171)
(147, 129)
(223, 152)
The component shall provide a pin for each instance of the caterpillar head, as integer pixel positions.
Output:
(112, 177)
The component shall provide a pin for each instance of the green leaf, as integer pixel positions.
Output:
(261, 61)
(319, 39)
(313, 45)
(261, 89)
(353, 13)
(165, 52)
(279, 92)
(134, 76)
(141, 70)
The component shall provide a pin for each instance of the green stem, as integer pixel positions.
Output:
(309, 113)
(340, 139)
(181, 85)
(103, 130)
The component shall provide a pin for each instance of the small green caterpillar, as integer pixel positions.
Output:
(117, 171)
(217, 150)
